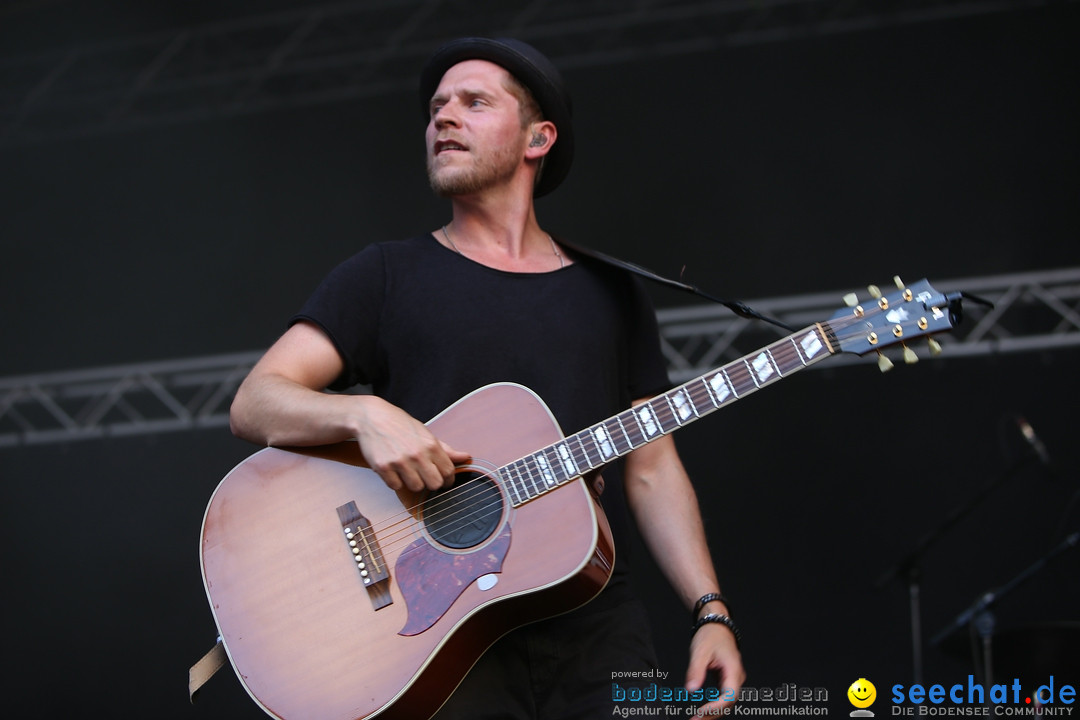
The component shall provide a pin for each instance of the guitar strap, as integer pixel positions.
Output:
(216, 658)
(203, 670)
(739, 308)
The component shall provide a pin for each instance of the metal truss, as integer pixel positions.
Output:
(365, 48)
(138, 399)
(1032, 311)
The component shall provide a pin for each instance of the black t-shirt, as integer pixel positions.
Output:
(424, 326)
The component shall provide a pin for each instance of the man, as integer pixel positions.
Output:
(491, 297)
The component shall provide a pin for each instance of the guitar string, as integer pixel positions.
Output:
(782, 350)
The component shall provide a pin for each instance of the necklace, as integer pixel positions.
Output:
(554, 247)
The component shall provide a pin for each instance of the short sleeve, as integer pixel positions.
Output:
(347, 306)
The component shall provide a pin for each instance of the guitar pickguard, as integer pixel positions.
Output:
(431, 579)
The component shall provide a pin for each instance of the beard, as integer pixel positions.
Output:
(485, 172)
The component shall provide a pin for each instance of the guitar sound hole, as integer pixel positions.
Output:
(467, 513)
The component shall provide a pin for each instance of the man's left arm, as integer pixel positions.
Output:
(665, 507)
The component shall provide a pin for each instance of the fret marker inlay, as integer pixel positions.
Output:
(545, 470)
(683, 407)
(568, 462)
(762, 367)
(811, 345)
(648, 420)
(603, 441)
(716, 382)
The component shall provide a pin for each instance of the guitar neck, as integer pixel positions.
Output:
(596, 446)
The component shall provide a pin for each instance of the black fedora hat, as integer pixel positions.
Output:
(534, 71)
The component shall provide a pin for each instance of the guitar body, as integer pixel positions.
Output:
(305, 635)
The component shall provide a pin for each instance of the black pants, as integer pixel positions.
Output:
(557, 669)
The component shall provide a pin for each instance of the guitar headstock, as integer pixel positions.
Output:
(884, 320)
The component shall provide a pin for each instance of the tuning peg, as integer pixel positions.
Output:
(899, 283)
(851, 300)
(884, 363)
(909, 356)
(875, 291)
(935, 347)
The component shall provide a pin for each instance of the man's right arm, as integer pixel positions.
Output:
(282, 402)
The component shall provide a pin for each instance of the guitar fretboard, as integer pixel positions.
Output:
(596, 446)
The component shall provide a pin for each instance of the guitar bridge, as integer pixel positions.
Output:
(366, 554)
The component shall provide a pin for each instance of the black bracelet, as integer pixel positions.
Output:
(705, 600)
(722, 620)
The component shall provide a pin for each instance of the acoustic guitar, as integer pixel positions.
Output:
(339, 598)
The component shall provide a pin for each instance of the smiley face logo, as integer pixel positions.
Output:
(862, 693)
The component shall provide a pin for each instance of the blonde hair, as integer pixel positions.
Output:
(528, 108)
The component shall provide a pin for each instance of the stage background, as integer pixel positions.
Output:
(944, 149)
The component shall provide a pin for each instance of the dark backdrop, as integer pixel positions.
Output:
(947, 149)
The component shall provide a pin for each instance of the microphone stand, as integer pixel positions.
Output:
(910, 569)
(980, 618)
